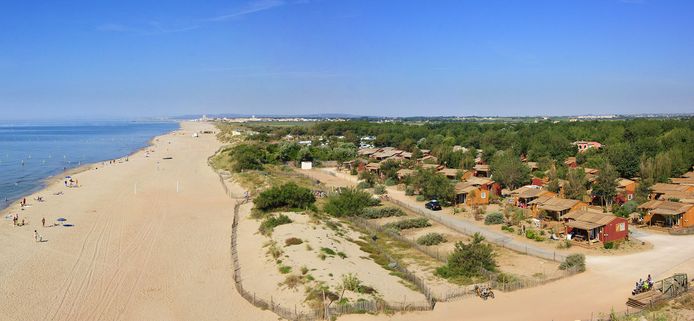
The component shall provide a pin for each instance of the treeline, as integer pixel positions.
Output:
(254, 155)
(628, 144)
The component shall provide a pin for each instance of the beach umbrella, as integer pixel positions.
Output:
(68, 176)
(61, 220)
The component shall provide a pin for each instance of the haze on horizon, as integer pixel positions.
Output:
(86, 59)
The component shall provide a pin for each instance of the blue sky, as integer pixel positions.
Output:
(95, 59)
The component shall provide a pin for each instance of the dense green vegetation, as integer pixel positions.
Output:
(350, 201)
(468, 260)
(626, 142)
(287, 196)
(432, 185)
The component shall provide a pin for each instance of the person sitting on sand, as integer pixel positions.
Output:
(37, 237)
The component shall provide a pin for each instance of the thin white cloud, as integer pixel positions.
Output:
(155, 28)
(250, 8)
(151, 28)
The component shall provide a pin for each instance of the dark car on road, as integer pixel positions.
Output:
(433, 205)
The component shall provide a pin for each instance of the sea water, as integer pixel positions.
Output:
(32, 152)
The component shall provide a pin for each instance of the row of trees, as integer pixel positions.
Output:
(626, 142)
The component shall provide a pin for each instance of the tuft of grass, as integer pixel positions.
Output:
(342, 255)
(285, 269)
(327, 251)
(274, 250)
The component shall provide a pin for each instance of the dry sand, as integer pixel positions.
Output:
(139, 249)
(260, 273)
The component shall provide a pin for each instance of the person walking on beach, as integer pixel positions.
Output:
(15, 217)
(43, 222)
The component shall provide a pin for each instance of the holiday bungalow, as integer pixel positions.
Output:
(626, 189)
(587, 227)
(556, 207)
(570, 162)
(526, 194)
(482, 170)
(474, 191)
(367, 151)
(450, 173)
(404, 172)
(428, 159)
(584, 146)
(668, 214)
(686, 179)
(386, 152)
(660, 189)
(373, 167)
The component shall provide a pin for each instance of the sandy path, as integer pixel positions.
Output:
(150, 241)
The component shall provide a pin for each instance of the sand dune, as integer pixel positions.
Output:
(150, 241)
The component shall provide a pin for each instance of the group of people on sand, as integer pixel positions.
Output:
(15, 220)
(72, 183)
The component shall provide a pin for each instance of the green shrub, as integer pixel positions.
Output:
(507, 229)
(408, 224)
(420, 198)
(247, 157)
(609, 245)
(363, 185)
(390, 181)
(430, 239)
(342, 255)
(350, 282)
(564, 244)
(292, 241)
(467, 260)
(577, 261)
(380, 212)
(530, 234)
(494, 218)
(285, 269)
(409, 190)
(327, 251)
(348, 202)
(379, 190)
(288, 195)
(271, 222)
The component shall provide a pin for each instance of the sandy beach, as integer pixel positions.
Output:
(149, 241)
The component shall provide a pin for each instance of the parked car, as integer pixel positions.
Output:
(433, 205)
